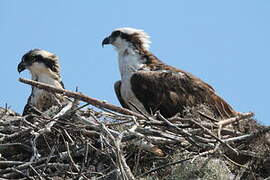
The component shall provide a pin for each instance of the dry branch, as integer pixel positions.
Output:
(235, 119)
(82, 97)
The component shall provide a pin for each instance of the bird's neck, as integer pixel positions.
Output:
(130, 60)
(41, 73)
(47, 79)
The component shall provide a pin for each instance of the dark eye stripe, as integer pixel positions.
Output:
(125, 36)
(37, 58)
(115, 34)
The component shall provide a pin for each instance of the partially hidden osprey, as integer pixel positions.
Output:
(150, 85)
(44, 67)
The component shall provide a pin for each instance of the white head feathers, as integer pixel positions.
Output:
(143, 36)
(43, 53)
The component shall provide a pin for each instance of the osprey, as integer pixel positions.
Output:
(44, 67)
(149, 85)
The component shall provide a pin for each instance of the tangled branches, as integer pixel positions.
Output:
(77, 143)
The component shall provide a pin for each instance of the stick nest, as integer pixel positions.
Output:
(76, 142)
(71, 143)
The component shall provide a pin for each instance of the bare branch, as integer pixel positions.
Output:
(82, 97)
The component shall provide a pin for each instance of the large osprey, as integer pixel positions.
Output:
(149, 85)
(44, 67)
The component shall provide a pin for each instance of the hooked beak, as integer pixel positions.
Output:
(21, 67)
(107, 40)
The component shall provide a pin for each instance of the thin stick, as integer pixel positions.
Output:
(70, 158)
(248, 136)
(82, 97)
(215, 137)
(163, 166)
(234, 119)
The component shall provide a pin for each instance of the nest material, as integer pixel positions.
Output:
(72, 143)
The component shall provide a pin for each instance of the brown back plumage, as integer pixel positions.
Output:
(175, 89)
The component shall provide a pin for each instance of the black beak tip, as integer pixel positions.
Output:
(106, 41)
(20, 68)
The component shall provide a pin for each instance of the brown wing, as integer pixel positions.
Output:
(28, 108)
(171, 92)
(117, 87)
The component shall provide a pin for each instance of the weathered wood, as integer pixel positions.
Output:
(82, 97)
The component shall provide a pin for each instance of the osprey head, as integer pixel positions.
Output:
(38, 60)
(123, 38)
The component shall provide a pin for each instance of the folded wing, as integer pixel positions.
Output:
(170, 92)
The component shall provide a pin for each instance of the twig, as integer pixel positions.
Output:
(163, 166)
(85, 159)
(106, 175)
(20, 167)
(126, 173)
(212, 151)
(78, 108)
(64, 110)
(208, 117)
(229, 159)
(71, 159)
(184, 133)
(215, 137)
(35, 171)
(248, 136)
(118, 123)
(234, 119)
(15, 135)
(49, 158)
(48, 126)
(137, 161)
(33, 141)
(15, 173)
(68, 137)
(10, 163)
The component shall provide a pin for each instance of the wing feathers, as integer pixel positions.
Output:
(117, 87)
(171, 92)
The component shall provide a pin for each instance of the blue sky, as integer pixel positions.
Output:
(225, 43)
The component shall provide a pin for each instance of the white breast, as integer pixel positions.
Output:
(128, 64)
(44, 77)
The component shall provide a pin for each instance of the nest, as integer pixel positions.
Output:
(74, 142)
(70, 143)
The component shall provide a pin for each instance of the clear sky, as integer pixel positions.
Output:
(225, 43)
